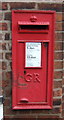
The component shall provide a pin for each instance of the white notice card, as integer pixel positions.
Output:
(33, 54)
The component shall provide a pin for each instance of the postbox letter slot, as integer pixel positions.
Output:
(24, 100)
(34, 27)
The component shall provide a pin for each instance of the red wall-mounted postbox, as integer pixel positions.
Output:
(32, 59)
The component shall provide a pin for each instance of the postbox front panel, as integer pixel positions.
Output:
(32, 59)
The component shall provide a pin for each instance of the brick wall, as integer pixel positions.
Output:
(63, 59)
(0, 50)
(6, 43)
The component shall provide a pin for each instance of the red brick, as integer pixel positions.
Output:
(25, 114)
(7, 36)
(0, 74)
(5, 83)
(1, 36)
(48, 117)
(1, 15)
(0, 83)
(57, 102)
(63, 64)
(3, 26)
(63, 98)
(58, 46)
(58, 65)
(0, 26)
(6, 117)
(4, 75)
(63, 90)
(63, 26)
(57, 84)
(8, 75)
(4, 46)
(63, 72)
(63, 16)
(21, 117)
(0, 65)
(8, 56)
(59, 17)
(4, 65)
(0, 5)
(1, 91)
(58, 55)
(58, 36)
(63, 81)
(0, 46)
(63, 105)
(6, 102)
(57, 93)
(4, 6)
(1, 56)
(63, 57)
(9, 46)
(44, 6)
(7, 16)
(63, 7)
(9, 111)
(11, 65)
(22, 5)
(8, 92)
(63, 113)
(58, 75)
(63, 36)
(58, 26)
(40, 111)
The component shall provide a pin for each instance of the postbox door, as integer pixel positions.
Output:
(32, 80)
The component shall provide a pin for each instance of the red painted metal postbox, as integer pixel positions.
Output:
(32, 59)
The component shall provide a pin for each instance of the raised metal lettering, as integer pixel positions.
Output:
(28, 77)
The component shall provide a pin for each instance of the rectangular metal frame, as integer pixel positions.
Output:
(25, 36)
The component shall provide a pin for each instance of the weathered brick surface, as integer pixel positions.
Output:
(7, 36)
(57, 102)
(7, 16)
(58, 65)
(58, 55)
(55, 7)
(5, 83)
(58, 74)
(4, 6)
(58, 46)
(59, 17)
(6, 54)
(63, 16)
(1, 36)
(4, 65)
(7, 102)
(1, 15)
(58, 26)
(1, 56)
(3, 26)
(57, 84)
(63, 26)
(22, 5)
(57, 93)
(58, 36)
